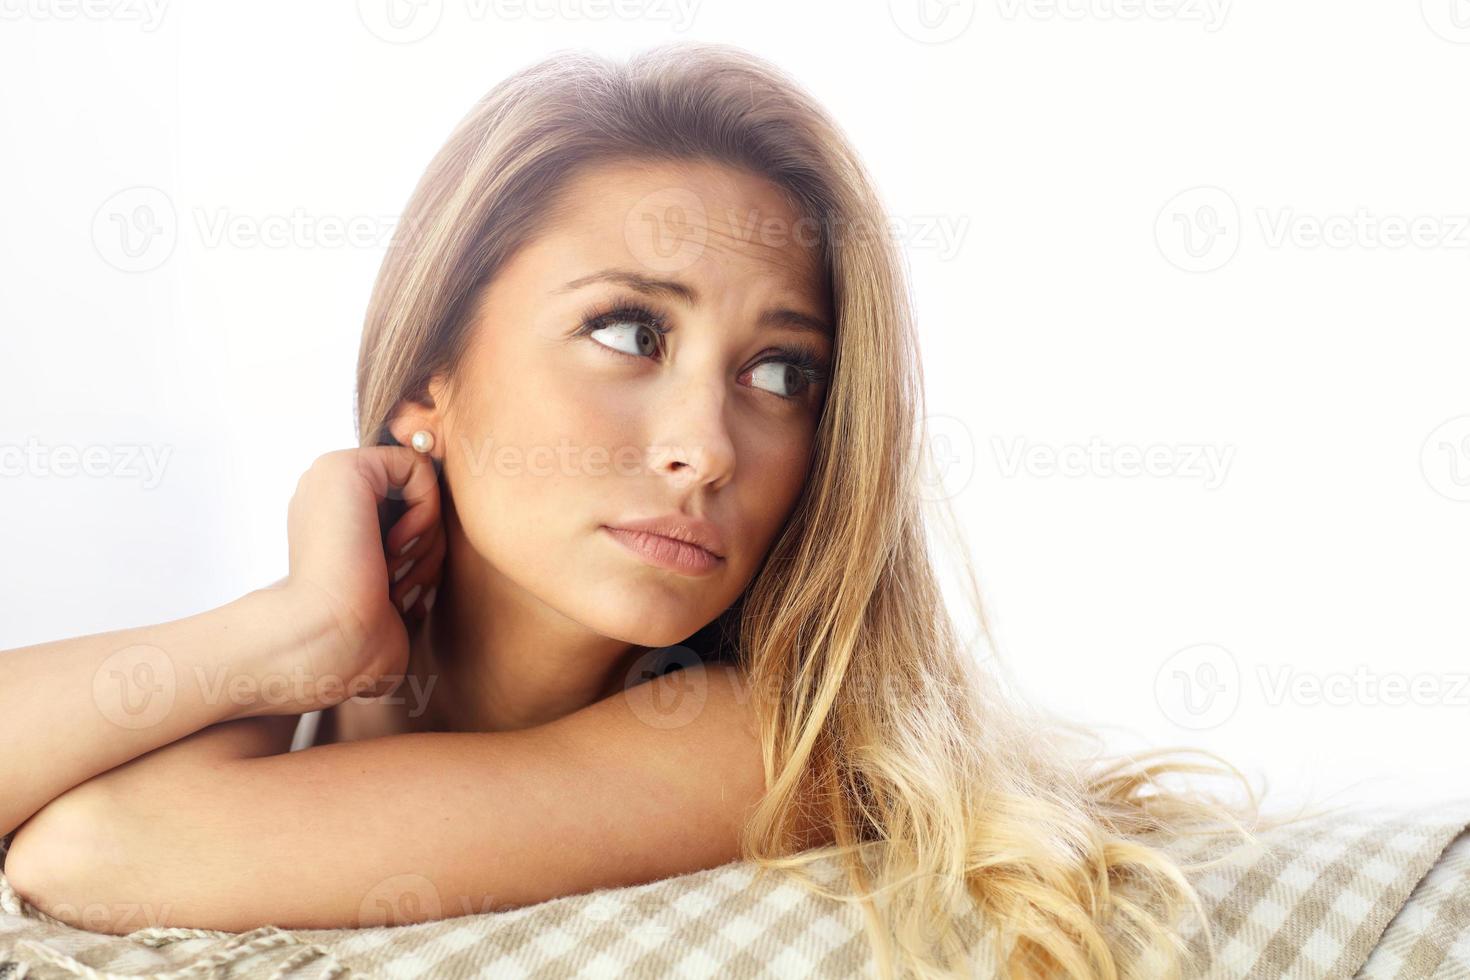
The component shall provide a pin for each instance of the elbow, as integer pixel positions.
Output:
(57, 863)
(45, 853)
(94, 860)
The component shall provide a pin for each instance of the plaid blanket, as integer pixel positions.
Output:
(1370, 892)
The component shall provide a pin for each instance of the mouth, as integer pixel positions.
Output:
(665, 552)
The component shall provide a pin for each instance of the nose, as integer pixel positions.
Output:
(697, 449)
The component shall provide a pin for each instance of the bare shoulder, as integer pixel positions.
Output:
(692, 732)
(705, 718)
(711, 695)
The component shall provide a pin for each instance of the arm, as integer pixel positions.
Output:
(75, 708)
(422, 826)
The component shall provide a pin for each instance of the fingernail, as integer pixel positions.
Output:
(411, 542)
(413, 594)
(404, 570)
(429, 599)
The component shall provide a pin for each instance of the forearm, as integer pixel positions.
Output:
(406, 828)
(74, 708)
(320, 838)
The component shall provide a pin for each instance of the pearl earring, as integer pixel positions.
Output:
(422, 441)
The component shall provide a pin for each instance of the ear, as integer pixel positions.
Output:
(423, 411)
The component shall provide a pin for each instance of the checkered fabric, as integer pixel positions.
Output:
(1313, 900)
(1430, 936)
(1367, 892)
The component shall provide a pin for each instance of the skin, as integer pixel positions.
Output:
(528, 650)
(542, 612)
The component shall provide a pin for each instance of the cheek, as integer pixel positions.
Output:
(530, 449)
(545, 413)
(570, 400)
(773, 473)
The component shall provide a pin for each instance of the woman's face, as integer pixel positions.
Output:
(558, 428)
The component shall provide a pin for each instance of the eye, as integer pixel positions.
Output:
(630, 338)
(788, 378)
(792, 372)
(631, 330)
(634, 330)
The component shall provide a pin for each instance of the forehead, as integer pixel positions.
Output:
(683, 219)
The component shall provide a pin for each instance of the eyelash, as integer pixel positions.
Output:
(810, 364)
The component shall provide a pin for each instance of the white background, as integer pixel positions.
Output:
(1186, 227)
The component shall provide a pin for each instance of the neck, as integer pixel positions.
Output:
(499, 659)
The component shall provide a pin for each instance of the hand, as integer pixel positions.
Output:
(338, 564)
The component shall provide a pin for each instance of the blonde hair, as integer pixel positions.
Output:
(949, 802)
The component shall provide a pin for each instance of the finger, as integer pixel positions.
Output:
(387, 468)
(412, 531)
(408, 474)
(424, 575)
(413, 555)
(409, 551)
(411, 604)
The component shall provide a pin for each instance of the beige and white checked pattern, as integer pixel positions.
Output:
(1430, 937)
(1311, 901)
(1314, 899)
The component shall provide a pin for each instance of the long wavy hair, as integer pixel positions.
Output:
(951, 803)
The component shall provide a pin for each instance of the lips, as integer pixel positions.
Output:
(665, 552)
(680, 527)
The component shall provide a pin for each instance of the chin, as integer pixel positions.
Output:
(644, 630)
(644, 607)
(645, 637)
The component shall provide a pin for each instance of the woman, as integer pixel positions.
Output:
(642, 369)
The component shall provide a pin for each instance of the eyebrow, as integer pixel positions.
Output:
(774, 317)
